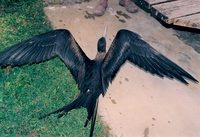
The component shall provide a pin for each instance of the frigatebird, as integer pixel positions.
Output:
(92, 76)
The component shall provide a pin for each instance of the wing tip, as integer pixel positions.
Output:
(190, 79)
(195, 81)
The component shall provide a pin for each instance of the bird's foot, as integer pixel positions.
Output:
(8, 68)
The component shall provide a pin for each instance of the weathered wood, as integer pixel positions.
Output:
(175, 9)
(148, 3)
(184, 13)
(152, 2)
(192, 21)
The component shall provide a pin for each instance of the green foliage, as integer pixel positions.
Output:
(33, 90)
(12, 5)
(11, 1)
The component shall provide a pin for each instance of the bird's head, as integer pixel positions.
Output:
(101, 45)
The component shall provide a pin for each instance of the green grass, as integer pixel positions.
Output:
(30, 91)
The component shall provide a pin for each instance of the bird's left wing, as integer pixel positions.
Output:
(55, 43)
(128, 45)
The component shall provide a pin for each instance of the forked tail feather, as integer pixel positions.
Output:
(86, 100)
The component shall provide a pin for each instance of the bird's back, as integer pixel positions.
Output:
(92, 80)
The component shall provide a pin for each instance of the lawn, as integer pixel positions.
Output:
(33, 90)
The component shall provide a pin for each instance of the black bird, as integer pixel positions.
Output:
(92, 76)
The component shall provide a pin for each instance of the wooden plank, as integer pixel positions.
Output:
(152, 2)
(148, 3)
(169, 11)
(184, 13)
(192, 21)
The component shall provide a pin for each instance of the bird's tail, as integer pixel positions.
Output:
(86, 100)
(92, 117)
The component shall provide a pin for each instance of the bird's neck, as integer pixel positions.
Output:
(100, 55)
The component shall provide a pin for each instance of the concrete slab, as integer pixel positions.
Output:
(138, 104)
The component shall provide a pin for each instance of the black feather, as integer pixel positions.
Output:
(142, 55)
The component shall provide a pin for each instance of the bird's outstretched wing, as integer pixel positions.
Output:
(128, 45)
(44, 47)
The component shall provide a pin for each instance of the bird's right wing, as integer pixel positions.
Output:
(129, 46)
(44, 47)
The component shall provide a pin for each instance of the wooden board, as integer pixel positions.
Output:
(152, 2)
(175, 12)
(148, 3)
(192, 21)
(175, 9)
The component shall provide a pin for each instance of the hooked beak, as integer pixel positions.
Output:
(105, 31)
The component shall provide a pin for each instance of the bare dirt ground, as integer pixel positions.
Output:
(138, 104)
